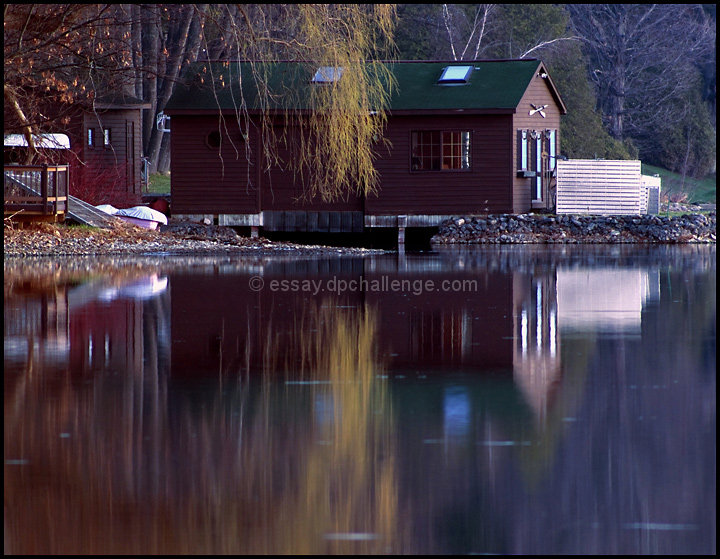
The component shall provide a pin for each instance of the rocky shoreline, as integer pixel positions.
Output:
(189, 238)
(176, 238)
(545, 228)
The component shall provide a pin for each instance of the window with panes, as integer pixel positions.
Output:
(440, 150)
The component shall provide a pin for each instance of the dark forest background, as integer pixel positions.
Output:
(638, 79)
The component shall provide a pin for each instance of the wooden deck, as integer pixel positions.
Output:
(36, 192)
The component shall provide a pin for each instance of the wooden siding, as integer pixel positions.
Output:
(538, 93)
(283, 189)
(208, 180)
(121, 161)
(485, 188)
(603, 187)
(205, 185)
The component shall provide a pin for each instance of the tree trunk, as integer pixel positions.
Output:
(617, 108)
(179, 40)
(150, 44)
(164, 159)
(136, 45)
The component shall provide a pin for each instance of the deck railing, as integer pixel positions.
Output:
(36, 190)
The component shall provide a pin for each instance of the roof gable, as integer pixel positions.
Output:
(491, 85)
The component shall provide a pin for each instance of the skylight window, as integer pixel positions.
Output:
(327, 74)
(456, 75)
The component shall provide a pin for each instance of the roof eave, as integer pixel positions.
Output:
(390, 112)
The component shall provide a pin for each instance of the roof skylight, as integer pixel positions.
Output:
(328, 74)
(455, 75)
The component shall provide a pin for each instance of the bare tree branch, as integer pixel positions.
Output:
(548, 43)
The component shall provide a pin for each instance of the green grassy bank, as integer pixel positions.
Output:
(697, 191)
(159, 183)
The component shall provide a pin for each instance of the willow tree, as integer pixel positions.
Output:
(348, 113)
(340, 123)
(59, 57)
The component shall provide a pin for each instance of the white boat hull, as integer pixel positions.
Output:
(144, 223)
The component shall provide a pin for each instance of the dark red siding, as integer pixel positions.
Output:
(283, 189)
(211, 180)
(486, 187)
(203, 182)
(108, 173)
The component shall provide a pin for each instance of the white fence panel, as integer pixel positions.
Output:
(601, 187)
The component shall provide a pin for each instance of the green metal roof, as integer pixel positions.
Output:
(492, 84)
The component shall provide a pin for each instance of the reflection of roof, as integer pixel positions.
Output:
(42, 141)
(491, 85)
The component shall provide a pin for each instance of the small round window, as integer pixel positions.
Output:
(213, 139)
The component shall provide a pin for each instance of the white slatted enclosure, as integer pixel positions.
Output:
(600, 187)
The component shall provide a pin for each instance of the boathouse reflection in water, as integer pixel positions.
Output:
(185, 408)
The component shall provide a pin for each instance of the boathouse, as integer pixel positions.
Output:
(473, 137)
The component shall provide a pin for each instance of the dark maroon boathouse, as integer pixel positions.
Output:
(466, 138)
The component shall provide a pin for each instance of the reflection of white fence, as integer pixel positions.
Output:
(603, 187)
(604, 299)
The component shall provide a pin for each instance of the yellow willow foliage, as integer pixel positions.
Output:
(334, 139)
(340, 136)
(346, 482)
(244, 475)
(327, 482)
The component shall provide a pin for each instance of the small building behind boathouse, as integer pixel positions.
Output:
(466, 138)
(97, 160)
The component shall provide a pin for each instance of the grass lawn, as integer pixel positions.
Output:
(698, 190)
(159, 183)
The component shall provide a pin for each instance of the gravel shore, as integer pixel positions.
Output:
(189, 238)
(177, 238)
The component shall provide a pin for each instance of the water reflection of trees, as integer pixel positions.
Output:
(127, 463)
(586, 434)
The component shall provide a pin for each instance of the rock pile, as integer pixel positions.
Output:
(544, 228)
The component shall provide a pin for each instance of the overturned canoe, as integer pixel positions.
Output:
(141, 216)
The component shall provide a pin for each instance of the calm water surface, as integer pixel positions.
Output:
(517, 400)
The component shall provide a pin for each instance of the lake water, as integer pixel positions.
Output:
(503, 400)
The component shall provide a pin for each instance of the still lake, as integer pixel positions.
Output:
(499, 400)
